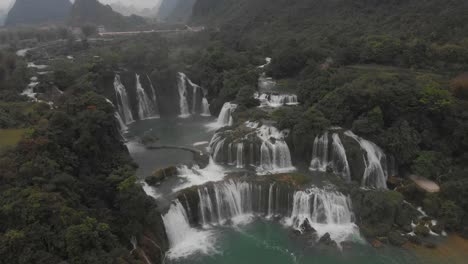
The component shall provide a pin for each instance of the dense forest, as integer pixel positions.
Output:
(395, 72)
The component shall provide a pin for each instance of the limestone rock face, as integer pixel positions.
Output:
(38, 12)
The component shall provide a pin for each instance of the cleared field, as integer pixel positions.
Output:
(10, 137)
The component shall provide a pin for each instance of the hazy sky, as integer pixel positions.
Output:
(137, 3)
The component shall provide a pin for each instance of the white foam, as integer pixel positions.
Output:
(195, 176)
(183, 239)
(149, 190)
(201, 143)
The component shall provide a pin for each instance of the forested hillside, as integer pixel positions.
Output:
(34, 12)
(93, 12)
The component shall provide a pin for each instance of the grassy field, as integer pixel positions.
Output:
(10, 137)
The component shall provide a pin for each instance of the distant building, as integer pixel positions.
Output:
(101, 29)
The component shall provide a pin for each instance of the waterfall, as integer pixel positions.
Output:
(320, 153)
(239, 202)
(153, 91)
(123, 104)
(265, 156)
(240, 155)
(339, 160)
(282, 99)
(225, 116)
(185, 109)
(233, 201)
(205, 107)
(281, 155)
(183, 103)
(276, 100)
(145, 105)
(326, 211)
(270, 200)
(183, 239)
(122, 125)
(275, 155)
(265, 143)
(230, 160)
(375, 174)
(216, 147)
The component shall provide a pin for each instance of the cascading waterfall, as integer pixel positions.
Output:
(274, 152)
(266, 148)
(276, 100)
(239, 202)
(326, 211)
(153, 91)
(320, 153)
(375, 174)
(145, 105)
(225, 116)
(122, 125)
(198, 106)
(123, 104)
(183, 103)
(183, 239)
(205, 107)
(240, 155)
(340, 163)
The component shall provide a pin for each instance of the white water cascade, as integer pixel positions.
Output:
(153, 91)
(199, 102)
(205, 107)
(263, 147)
(240, 155)
(339, 160)
(320, 153)
(145, 104)
(326, 211)
(183, 100)
(276, 100)
(225, 116)
(239, 202)
(274, 152)
(375, 174)
(325, 155)
(123, 104)
(183, 239)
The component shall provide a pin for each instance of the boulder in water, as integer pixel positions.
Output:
(161, 175)
(327, 240)
(306, 228)
(396, 239)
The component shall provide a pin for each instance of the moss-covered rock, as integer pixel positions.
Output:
(422, 230)
(160, 175)
(396, 239)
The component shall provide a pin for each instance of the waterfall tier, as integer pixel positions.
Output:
(146, 106)
(225, 116)
(122, 99)
(276, 100)
(375, 174)
(191, 102)
(330, 154)
(183, 239)
(238, 202)
(251, 145)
